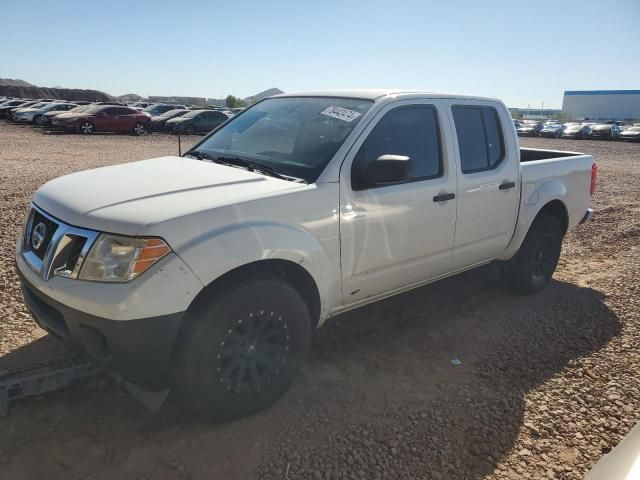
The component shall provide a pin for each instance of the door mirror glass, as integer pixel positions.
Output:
(388, 169)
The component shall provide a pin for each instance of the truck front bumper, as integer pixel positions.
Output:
(140, 350)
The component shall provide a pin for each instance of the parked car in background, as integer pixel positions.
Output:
(34, 113)
(46, 119)
(140, 105)
(158, 122)
(160, 108)
(604, 131)
(529, 129)
(8, 114)
(8, 105)
(576, 131)
(196, 121)
(630, 134)
(103, 118)
(551, 130)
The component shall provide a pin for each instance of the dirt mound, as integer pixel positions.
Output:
(59, 93)
(15, 82)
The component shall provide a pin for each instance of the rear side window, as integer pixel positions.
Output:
(480, 140)
(408, 131)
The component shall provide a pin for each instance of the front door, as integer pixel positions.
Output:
(399, 234)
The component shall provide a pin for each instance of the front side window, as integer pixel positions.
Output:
(295, 136)
(480, 141)
(406, 131)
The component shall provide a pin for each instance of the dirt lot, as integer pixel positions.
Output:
(546, 384)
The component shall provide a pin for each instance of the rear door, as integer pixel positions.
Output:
(488, 183)
(399, 234)
(125, 119)
(207, 121)
(106, 119)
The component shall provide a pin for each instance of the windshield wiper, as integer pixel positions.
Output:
(200, 155)
(251, 165)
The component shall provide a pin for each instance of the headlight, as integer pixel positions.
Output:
(119, 259)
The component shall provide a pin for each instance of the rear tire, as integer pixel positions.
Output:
(139, 129)
(532, 268)
(241, 350)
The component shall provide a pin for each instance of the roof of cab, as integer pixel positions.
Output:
(376, 94)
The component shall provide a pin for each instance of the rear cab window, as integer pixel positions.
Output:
(480, 138)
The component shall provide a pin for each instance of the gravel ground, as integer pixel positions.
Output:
(545, 385)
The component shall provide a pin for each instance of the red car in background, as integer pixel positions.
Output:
(103, 118)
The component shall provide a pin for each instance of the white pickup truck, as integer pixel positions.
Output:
(207, 272)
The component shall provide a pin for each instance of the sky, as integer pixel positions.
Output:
(523, 52)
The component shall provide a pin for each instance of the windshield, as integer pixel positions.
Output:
(158, 108)
(194, 113)
(296, 136)
(173, 113)
(82, 108)
(94, 109)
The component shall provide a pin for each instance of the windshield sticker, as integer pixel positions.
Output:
(340, 113)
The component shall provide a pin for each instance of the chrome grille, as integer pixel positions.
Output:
(51, 247)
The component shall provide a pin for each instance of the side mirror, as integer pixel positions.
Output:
(387, 169)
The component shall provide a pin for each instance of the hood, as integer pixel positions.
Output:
(125, 198)
(630, 132)
(178, 119)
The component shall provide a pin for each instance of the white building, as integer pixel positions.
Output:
(602, 104)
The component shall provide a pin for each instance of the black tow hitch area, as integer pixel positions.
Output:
(41, 377)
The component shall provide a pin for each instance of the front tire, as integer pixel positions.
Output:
(532, 268)
(241, 351)
(86, 128)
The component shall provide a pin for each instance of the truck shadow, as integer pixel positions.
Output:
(379, 394)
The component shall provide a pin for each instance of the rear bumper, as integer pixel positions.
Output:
(139, 350)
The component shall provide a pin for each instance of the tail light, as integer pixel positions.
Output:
(594, 178)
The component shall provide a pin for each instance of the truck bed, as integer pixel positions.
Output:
(533, 154)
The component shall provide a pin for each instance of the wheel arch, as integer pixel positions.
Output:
(554, 207)
(291, 272)
(557, 209)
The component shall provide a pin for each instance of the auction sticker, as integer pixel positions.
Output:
(340, 113)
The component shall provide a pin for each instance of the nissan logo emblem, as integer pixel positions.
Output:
(38, 235)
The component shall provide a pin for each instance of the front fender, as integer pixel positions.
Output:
(219, 251)
(534, 198)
